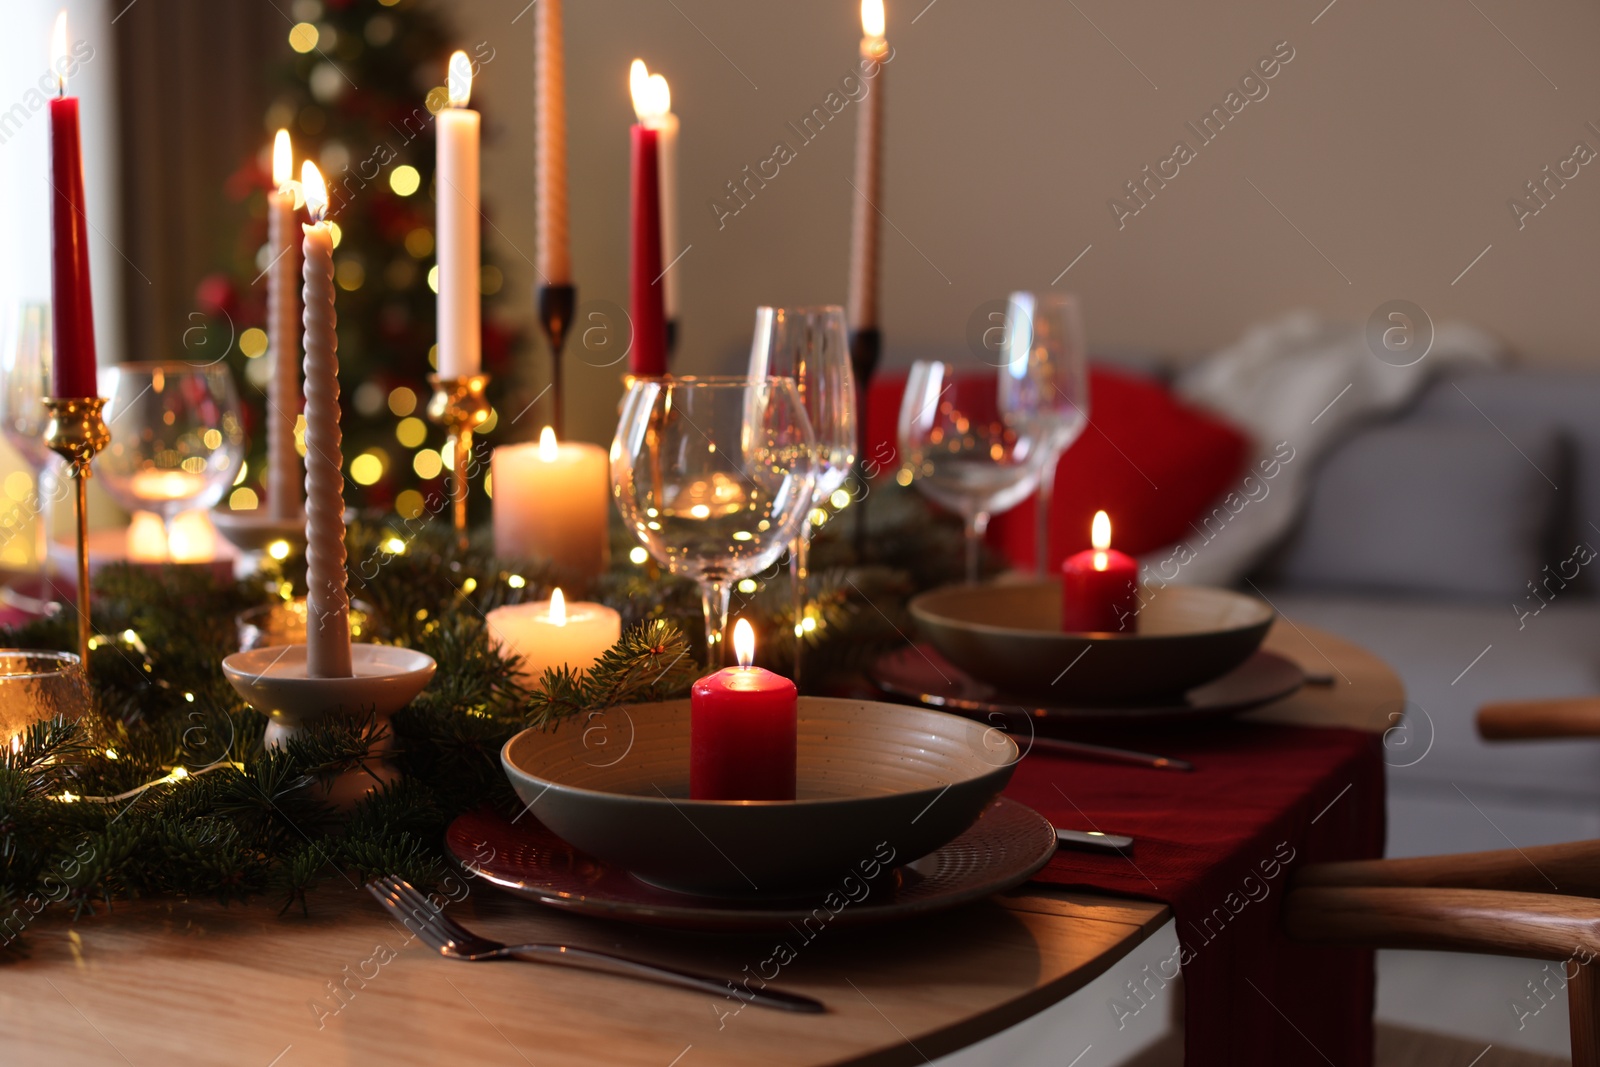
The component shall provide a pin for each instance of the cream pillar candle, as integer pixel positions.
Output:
(328, 602)
(552, 253)
(460, 332)
(863, 299)
(553, 633)
(285, 480)
(552, 501)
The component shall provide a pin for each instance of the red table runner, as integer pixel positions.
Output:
(1219, 845)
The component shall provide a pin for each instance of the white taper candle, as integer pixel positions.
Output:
(285, 481)
(460, 332)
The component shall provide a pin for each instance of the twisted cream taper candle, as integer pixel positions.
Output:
(327, 601)
(552, 251)
(285, 488)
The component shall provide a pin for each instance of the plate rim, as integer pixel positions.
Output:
(715, 918)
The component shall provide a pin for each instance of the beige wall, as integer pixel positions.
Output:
(1392, 141)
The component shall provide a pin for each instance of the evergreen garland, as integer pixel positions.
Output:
(81, 825)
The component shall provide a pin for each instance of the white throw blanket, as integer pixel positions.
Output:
(1297, 385)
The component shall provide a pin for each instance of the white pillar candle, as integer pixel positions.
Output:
(460, 333)
(552, 251)
(863, 304)
(328, 602)
(553, 633)
(551, 502)
(285, 480)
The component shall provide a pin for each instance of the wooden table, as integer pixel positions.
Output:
(169, 983)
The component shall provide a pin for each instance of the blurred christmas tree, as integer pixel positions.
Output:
(360, 82)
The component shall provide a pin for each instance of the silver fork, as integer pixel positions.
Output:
(449, 938)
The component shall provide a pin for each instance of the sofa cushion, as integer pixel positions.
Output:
(1433, 507)
(1151, 461)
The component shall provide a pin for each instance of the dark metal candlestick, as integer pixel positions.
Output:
(865, 348)
(77, 433)
(557, 305)
(460, 406)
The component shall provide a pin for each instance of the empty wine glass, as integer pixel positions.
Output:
(1044, 384)
(176, 439)
(811, 346)
(961, 450)
(714, 476)
(24, 385)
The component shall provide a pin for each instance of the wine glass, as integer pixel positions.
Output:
(1044, 384)
(176, 439)
(24, 385)
(961, 450)
(714, 476)
(811, 346)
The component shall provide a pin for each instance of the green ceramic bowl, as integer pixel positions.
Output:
(875, 781)
(1010, 636)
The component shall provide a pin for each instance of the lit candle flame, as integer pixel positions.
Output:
(58, 52)
(549, 451)
(315, 189)
(558, 607)
(1100, 537)
(282, 161)
(651, 96)
(459, 81)
(872, 18)
(744, 642)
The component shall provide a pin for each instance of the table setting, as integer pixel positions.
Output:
(726, 678)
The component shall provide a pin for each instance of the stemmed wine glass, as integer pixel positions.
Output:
(811, 346)
(176, 439)
(24, 385)
(962, 451)
(1044, 385)
(714, 476)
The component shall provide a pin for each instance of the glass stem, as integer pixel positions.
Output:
(977, 523)
(1044, 502)
(799, 578)
(714, 596)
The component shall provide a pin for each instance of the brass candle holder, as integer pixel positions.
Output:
(460, 405)
(77, 432)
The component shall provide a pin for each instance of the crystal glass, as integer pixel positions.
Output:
(176, 439)
(35, 686)
(715, 477)
(962, 452)
(811, 346)
(1044, 386)
(24, 384)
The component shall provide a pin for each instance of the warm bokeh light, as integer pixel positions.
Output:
(282, 160)
(744, 642)
(558, 607)
(872, 18)
(315, 189)
(303, 37)
(405, 180)
(549, 451)
(460, 79)
(253, 342)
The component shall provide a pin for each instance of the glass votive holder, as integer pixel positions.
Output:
(284, 623)
(37, 685)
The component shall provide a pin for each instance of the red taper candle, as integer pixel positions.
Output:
(73, 310)
(1099, 586)
(742, 730)
(646, 291)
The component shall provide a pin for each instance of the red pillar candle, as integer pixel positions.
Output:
(742, 725)
(646, 292)
(1099, 586)
(73, 338)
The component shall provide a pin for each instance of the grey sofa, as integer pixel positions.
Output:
(1459, 542)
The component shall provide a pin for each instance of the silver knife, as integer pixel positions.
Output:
(1094, 841)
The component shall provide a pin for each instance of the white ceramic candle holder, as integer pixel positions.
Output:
(385, 679)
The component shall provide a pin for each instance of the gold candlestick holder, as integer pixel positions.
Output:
(460, 405)
(77, 432)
